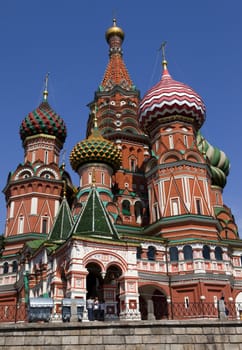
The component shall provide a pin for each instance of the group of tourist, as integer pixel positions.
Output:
(95, 309)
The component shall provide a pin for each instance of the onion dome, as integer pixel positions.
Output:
(114, 31)
(43, 120)
(170, 98)
(219, 162)
(95, 149)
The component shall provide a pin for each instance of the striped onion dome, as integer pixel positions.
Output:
(43, 120)
(219, 162)
(95, 149)
(170, 98)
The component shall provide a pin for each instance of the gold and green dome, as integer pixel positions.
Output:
(95, 149)
(218, 161)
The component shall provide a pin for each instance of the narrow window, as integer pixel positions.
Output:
(11, 210)
(46, 157)
(45, 225)
(173, 252)
(133, 164)
(34, 202)
(151, 253)
(5, 267)
(139, 252)
(138, 212)
(57, 205)
(15, 266)
(156, 212)
(33, 156)
(186, 302)
(175, 208)
(187, 251)
(102, 178)
(171, 144)
(198, 206)
(218, 253)
(185, 141)
(21, 224)
(206, 252)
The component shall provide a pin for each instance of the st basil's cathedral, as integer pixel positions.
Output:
(145, 228)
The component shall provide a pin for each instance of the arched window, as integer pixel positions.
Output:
(5, 267)
(138, 212)
(173, 251)
(187, 251)
(206, 252)
(138, 252)
(151, 253)
(218, 253)
(126, 207)
(15, 266)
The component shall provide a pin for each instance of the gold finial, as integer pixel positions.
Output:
(93, 177)
(63, 159)
(64, 189)
(95, 117)
(162, 48)
(45, 93)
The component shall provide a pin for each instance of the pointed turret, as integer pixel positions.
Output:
(116, 72)
(63, 223)
(94, 220)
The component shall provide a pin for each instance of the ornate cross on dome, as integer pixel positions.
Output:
(162, 49)
(45, 93)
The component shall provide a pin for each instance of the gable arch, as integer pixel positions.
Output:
(169, 157)
(113, 259)
(194, 157)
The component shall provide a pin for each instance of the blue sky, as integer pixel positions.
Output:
(67, 39)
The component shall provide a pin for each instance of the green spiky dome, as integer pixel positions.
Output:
(219, 162)
(95, 149)
(43, 120)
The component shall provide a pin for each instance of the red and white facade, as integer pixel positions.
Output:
(144, 232)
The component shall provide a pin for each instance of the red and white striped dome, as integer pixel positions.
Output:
(171, 98)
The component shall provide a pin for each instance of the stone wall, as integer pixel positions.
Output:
(158, 335)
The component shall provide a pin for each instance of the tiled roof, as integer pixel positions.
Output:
(116, 74)
(63, 223)
(43, 120)
(94, 220)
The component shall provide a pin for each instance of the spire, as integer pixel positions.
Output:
(116, 73)
(45, 93)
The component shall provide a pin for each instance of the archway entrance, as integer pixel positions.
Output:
(153, 303)
(94, 281)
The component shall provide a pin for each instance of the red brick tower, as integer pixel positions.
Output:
(34, 190)
(117, 101)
